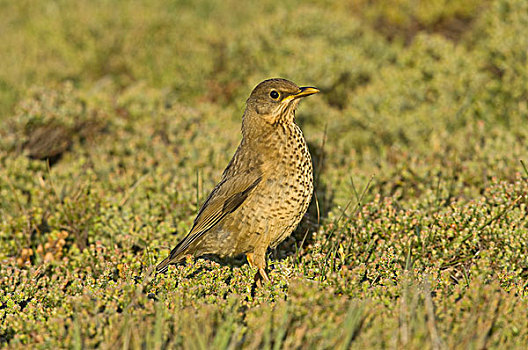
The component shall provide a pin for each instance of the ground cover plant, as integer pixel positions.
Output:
(117, 118)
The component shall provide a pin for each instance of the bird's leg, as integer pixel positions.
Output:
(250, 258)
(259, 260)
(262, 273)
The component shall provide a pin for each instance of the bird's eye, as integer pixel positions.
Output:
(274, 94)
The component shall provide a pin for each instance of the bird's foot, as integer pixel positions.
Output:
(261, 274)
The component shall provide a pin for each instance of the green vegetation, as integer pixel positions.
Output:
(117, 118)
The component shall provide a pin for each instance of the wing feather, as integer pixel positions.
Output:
(225, 198)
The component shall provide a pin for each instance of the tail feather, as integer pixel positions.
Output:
(163, 266)
(175, 256)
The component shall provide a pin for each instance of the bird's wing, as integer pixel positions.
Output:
(225, 198)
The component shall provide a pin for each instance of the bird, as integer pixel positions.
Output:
(265, 189)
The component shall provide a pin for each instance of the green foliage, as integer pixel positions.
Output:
(403, 19)
(118, 117)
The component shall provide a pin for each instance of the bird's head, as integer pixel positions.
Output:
(274, 100)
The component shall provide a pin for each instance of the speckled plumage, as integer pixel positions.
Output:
(266, 187)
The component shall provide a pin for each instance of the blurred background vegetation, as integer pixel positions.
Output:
(117, 118)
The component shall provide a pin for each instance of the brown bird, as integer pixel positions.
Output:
(265, 189)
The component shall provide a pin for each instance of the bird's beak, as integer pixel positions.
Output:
(306, 91)
(303, 92)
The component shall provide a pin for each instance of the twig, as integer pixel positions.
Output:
(431, 319)
(131, 190)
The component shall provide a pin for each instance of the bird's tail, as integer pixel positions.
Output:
(175, 256)
(163, 266)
